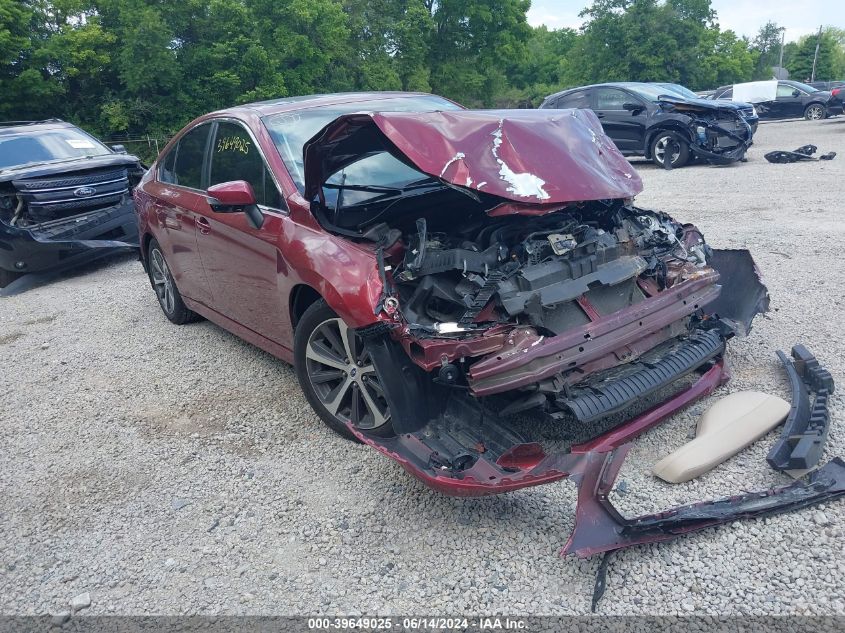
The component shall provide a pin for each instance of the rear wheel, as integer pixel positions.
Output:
(165, 288)
(338, 375)
(670, 144)
(814, 112)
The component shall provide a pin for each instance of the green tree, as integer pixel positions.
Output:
(543, 69)
(766, 45)
(800, 64)
(473, 43)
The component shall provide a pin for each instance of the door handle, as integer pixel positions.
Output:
(600, 115)
(203, 225)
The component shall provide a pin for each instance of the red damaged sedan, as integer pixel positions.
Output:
(437, 276)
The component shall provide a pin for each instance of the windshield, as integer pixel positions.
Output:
(681, 90)
(40, 146)
(803, 87)
(291, 130)
(651, 91)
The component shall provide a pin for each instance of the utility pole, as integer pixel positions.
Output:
(816, 56)
(782, 37)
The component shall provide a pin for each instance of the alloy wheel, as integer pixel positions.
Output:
(162, 281)
(815, 112)
(343, 376)
(663, 145)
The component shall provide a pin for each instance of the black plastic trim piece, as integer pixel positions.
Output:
(805, 430)
(615, 396)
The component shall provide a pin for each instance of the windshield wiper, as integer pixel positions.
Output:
(419, 184)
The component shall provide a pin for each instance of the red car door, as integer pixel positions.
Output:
(177, 190)
(244, 264)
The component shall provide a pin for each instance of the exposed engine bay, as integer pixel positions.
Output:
(515, 305)
(532, 271)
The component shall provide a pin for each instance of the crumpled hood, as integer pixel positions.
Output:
(705, 104)
(535, 157)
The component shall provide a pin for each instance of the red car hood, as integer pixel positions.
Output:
(538, 158)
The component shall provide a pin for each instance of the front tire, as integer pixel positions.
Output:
(165, 288)
(8, 276)
(815, 112)
(670, 142)
(338, 376)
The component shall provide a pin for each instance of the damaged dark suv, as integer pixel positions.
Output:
(653, 121)
(435, 274)
(65, 198)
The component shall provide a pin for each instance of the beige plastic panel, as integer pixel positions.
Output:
(724, 429)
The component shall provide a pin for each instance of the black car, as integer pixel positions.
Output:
(649, 120)
(838, 96)
(65, 198)
(825, 85)
(783, 99)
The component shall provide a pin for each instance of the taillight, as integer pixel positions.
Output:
(835, 92)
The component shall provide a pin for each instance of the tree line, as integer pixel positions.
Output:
(150, 66)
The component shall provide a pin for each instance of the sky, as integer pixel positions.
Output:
(745, 17)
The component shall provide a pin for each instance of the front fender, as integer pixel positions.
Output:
(348, 280)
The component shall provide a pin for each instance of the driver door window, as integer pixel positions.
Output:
(234, 156)
(785, 90)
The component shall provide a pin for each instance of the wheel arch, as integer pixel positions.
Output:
(667, 126)
(301, 297)
(146, 238)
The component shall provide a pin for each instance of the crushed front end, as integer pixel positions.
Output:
(718, 133)
(521, 294)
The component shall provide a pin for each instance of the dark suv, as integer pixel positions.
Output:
(652, 121)
(65, 198)
(783, 99)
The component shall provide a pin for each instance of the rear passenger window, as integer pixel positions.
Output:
(235, 157)
(578, 99)
(165, 174)
(183, 165)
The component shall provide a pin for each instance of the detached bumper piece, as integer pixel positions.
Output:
(599, 527)
(805, 152)
(600, 401)
(805, 430)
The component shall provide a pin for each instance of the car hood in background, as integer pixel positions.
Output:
(50, 168)
(534, 157)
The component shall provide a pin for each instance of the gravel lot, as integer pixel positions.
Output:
(173, 470)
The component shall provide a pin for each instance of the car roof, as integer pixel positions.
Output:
(288, 104)
(607, 84)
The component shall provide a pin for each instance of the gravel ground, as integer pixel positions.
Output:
(173, 470)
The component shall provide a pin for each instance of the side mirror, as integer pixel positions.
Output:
(236, 196)
(118, 149)
(796, 93)
(633, 108)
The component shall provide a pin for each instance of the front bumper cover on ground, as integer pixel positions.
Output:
(599, 527)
